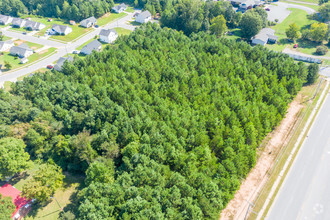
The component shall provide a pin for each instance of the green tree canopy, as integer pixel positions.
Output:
(218, 25)
(250, 24)
(293, 31)
(13, 158)
(319, 32)
(7, 207)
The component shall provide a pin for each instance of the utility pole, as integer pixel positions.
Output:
(250, 204)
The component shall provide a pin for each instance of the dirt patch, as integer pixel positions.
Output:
(34, 48)
(237, 207)
(19, 42)
(106, 15)
(43, 51)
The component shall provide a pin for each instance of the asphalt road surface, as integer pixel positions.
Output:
(305, 193)
(62, 49)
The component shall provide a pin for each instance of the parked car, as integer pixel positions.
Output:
(50, 66)
(24, 33)
(267, 9)
(96, 26)
(295, 46)
(75, 52)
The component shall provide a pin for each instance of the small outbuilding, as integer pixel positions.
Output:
(92, 46)
(143, 17)
(108, 35)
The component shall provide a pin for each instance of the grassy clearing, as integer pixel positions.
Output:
(315, 7)
(309, 1)
(130, 9)
(123, 31)
(7, 86)
(305, 94)
(299, 17)
(5, 38)
(105, 19)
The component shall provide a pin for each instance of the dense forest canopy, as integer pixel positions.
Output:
(67, 9)
(164, 125)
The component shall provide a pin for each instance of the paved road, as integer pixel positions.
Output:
(305, 193)
(63, 49)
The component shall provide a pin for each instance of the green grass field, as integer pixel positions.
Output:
(309, 1)
(105, 19)
(299, 17)
(315, 7)
(15, 61)
(123, 31)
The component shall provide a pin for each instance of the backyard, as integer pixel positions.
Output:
(105, 19)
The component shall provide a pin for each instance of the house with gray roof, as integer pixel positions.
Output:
(92, 46)
(6, 45)
(88, 22)
(21, 51)
(18, 22)
(143, 17)
(34, 26)
(4, 19)
(119, 8)
(266, 35)
(108, 35)
(61, 61)
(61, 29)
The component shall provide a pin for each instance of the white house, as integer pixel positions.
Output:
(18, 22)
(89, 48)
(108, 35)
(119, 8)
(21, 51)
(61, 29)
(34, 26)
(6, 45)
(88, 22)
(4, 20)
(266, 35)
(143, 17)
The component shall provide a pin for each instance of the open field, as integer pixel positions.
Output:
(123, 31)
(303, 97)
(315, 7)
(109, 17)
(309, 1)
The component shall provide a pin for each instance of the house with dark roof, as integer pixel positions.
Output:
(143, 17)
(265, 36)
(18, 22)
(88, 22)
(61, 61)
(21, 51)
(61, 29)
(8, 190)
(92, 46)
(119, 8)
(6, 45)
(34, 26)
(108, 35)
(4, 19)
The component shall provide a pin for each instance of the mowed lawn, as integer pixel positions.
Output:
(299, 17)
(109, 17)
(122, 31)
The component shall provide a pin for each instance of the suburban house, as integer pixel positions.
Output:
(6, 45)
(266, 35)
(18, 22)
(143, 17)
(4, 19)
(61, 61)
(34, 26)
(108, 35)
(21, 51)
(89, 48)
(88, 22)
(119, 8)
(61, 29)
(14, 194)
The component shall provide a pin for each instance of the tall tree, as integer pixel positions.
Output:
(319, 32)
(44, 183)
(293, 32)
(218, 25)
(250, 24)
(7, 207)
(13, 158)
(313, 73)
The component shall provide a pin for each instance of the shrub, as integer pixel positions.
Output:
(321, 50)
